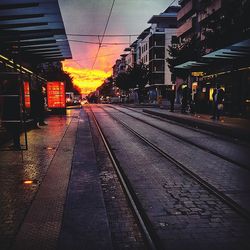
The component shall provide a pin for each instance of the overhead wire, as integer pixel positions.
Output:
(100, 43)
(90, 58)
(79, 41)
(103, 33)
(111, 35)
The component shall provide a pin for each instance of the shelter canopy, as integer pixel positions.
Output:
(237, 51)
(33, 29)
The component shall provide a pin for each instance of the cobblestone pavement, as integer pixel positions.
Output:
(74, 201)
(64, 207)
(231, 179)
(16, 197)
(184, 214)
(85, 222)
(124, 229)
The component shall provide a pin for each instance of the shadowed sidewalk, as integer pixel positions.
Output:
(61, 207)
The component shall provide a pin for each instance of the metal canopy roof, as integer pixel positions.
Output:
(240, 50)
(33, 28)
(190, 64)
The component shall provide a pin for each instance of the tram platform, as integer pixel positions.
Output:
(51, 196)
(237, 128)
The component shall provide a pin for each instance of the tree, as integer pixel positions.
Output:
(123, 82)
(106, 89)
(136, 76)
(190, 50)
(55, 72)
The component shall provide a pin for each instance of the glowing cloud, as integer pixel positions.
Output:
(86, 80)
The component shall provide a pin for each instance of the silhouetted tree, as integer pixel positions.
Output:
(106, 89)
(136, 76)
(123, 82)
(189, 50)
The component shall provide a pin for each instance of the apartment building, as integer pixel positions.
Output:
(163, 28)
(222, 30)
(142, 48)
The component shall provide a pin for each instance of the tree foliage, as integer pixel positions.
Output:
(106, 89)
(122, 81)
(56, 73)
(136, 76)
(180, 53)
(139, 75)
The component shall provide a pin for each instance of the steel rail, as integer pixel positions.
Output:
(194, 128)
(141, 218)
(231, 203)
(184, 139)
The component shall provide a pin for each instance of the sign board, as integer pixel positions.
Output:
(56, 95)
(26, 87)
(197, 73)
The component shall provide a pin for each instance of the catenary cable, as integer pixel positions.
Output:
(103, 34)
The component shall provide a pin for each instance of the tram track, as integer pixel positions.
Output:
(213, 190)
(150, 237)
(195, 128)
(206, 149)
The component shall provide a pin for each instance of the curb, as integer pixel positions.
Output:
(218, 128)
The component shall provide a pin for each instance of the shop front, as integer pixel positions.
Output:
(236, 85)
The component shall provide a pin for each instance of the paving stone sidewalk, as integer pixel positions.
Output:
(63, 207)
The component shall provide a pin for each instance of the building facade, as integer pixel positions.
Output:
(163, 27)
(218, 31)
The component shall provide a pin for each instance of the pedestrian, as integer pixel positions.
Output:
(184, 100)
(11, 110)
(37, 107)
(193, 103)
(218, 102)
(41, 118)
(172, 100)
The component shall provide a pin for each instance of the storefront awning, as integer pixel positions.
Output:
(33, 28)
(191, 64)
(240, 50)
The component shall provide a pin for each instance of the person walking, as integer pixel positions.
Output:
(172, 99)
(184, 100)
(37, 107)
(218, 100)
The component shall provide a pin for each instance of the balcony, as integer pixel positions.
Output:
(209, 10)
(186, 9)
(184, 27)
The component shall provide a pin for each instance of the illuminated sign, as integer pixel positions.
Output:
(26, 87)
(197, 73)
(56, 94)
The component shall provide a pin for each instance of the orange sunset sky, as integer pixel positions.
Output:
(84, 20)
(86, 78)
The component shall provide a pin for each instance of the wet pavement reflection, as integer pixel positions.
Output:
(16, 195)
